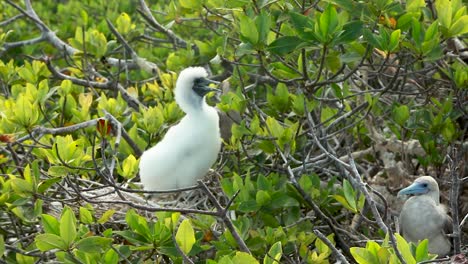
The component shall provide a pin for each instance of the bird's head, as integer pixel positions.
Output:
(191, 87)
(425, 185)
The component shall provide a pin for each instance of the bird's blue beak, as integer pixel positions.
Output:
(201, 86)
(415, 188)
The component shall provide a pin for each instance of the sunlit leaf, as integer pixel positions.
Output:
(185, 236)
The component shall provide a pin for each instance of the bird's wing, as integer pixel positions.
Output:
(447, 226)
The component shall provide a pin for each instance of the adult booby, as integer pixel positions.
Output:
(422, 216)
(189, 148)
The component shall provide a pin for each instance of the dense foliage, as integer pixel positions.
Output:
(323, 102)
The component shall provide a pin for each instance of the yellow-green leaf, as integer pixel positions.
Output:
(85, 216)
(124, 23)
(185, 236)
(68, 226)
(404, 249)
(244, 258)
(106, 216)
(46, 242)
(459, 27)
(274, 254)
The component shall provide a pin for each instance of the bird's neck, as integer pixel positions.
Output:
(435, 197)
(197, 108)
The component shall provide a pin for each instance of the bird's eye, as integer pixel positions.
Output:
(424, 185)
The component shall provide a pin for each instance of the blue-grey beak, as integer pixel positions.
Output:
(415, 188)
(201, 86)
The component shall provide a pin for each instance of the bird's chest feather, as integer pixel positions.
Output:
(425, 217)
(195, 136)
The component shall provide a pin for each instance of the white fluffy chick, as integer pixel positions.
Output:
(190, 148)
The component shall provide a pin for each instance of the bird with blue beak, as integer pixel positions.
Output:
(424, 217)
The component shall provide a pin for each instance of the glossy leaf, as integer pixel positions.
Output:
(247, 30)
(274, 254)
(93, 244)
(349, 194)
(85, 216)
(46, 242)
(50, 224)
(285, 45)
(401, 114)
(404, 249)
(185, 236)
(68, 226)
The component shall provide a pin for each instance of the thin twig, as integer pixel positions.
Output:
(325, 240)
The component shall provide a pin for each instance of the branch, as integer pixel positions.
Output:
(11, 45)
(146, 13)
(357, 182)
(222, 213)
(52, 38)
(11, 20)
(107, 85)
(141, 62)
(325, 240)
(454, 162)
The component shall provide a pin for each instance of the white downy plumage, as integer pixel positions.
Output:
(189, 148)
(423, 217)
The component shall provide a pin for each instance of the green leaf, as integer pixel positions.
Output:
(448, 130)
(26, 113)
(244, 258)
(2, 245)
(372, 40)
(342, 200)
(132, 237)
(349, 194)
(416, 32)
(285, 45)
(322, 248)
(401, 114)
(422, 251)
(404, 249)
(129, 167)
(111, 257)
(106, 216)
(459, 27)
(124, 23)
(21, 187)
(185, 236)
(394, 40)
(191, 4)
(248, 32)
(327, 23)
(363, 256)
(44, 185)
(85, 216)
(50, 224)
(46, 242)
(280, 99)
(351, 31)
(93, 244)
(304, 26)
(384, 255)
(68, 226)
(274, 254)
(58, 171)
(444, 13)
(431, 32)
(274, 126)
(29, 177)
(415, 5)
(262, 198)
(137, 223)
(262, 22)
